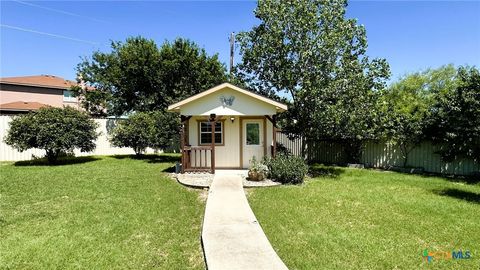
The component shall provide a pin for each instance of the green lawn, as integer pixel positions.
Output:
(366, 219)
(100, 213)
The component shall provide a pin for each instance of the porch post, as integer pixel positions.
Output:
(212, 155)
(274, 124)
(184, 121)
(182, 141)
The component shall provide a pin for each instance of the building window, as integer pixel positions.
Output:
(68, 96)
(253, 134)
(206, 133)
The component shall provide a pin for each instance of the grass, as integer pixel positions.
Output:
(365, 219)
(98, 213)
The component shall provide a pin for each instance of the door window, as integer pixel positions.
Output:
(253, 133)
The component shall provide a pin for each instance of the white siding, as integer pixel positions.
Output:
(242, 105)
(227, 155)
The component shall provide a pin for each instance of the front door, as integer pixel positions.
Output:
(253, 144)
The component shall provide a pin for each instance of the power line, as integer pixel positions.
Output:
(60, 11)
(48, 34)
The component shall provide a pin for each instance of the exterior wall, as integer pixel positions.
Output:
(103, 145)
(227, 155)
(13, 93)
(242, 105)
(75, 105)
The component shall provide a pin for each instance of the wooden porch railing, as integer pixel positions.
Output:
(195, 159)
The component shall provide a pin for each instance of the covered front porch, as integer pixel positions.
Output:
(225, 127)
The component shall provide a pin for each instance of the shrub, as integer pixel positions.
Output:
(286, 168)
(258, 170)
(55, 130)
(136, 132)
(166, 130)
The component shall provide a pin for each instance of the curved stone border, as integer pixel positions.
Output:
(195, 180)
(204, 180)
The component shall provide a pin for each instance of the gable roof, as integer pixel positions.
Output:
(47, 81)
(279, 106)
(22, 106)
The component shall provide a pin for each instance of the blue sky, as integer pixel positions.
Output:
(49, 37)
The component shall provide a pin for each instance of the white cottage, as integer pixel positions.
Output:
(245, 126)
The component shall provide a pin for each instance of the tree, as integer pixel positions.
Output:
(311, 52)
(138, 76)
(455, 120)
(407, 106)
(187, 70)
(166, 130)
(135, 132)
(55, 130)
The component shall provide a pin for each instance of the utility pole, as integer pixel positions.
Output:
(232, 44)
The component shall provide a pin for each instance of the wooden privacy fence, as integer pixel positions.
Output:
(380, 155)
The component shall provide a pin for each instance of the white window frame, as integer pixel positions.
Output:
(70, 97)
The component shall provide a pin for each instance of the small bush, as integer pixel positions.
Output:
(157, 130)
(286, 168)
(135, 132)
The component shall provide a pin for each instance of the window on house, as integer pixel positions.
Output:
(68, 96)
(206, 133)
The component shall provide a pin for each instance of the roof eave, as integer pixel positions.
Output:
(176, 107)
(36, 85)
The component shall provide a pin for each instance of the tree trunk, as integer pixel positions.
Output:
(138, 151)
(405, 153)
(354, 151)
(52, 156)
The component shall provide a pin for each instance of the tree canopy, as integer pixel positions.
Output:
(135, 132)
(309, 50)
(455, 120)
(408, 106)
(56, 130)
(138, 76)
(156, 130)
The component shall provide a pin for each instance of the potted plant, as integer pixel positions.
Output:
(257, 171)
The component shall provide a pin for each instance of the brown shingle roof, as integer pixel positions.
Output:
(49, 81)
(22, 106)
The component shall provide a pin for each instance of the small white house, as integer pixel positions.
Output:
(245, 126)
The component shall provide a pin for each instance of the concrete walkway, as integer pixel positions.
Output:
(231, 235)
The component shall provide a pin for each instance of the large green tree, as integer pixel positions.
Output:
(137, 75)
(408, 106)
(313, 53)
(455, 119)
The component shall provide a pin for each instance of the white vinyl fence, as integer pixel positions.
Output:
(382, 155)
(103, 145)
